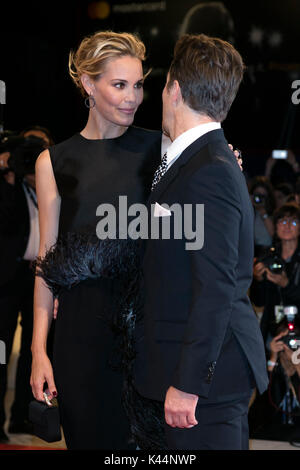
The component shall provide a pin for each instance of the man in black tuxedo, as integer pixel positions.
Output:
(199, 346)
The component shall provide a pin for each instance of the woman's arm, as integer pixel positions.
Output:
(276, 347)
(49, 209)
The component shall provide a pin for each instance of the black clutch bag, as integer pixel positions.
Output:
(45, 420)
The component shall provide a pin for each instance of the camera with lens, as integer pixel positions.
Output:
(273, 261)
(292, 340)
(259, 199)
(24, 152)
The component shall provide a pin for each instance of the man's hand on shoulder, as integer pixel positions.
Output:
(238, 155)
(180, 408)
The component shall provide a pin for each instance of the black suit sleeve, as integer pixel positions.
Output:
(213, 270)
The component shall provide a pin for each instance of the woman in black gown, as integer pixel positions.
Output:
(107, 159)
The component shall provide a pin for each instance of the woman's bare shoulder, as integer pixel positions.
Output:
(44, 174)
(43, 159)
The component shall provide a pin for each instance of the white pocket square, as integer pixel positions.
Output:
(160, 211)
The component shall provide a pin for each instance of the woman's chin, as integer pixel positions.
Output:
(125, 122)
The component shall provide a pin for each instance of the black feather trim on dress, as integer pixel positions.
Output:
(81, 256)
(146, 418)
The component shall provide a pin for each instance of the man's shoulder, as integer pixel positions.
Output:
(215, 153)
(213, 168)
(208, 148)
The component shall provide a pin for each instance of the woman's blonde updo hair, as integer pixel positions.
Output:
(95, 51)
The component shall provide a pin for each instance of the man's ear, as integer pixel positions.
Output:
(176, 93)
(87, 83)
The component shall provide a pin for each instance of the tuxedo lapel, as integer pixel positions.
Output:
(173, 171)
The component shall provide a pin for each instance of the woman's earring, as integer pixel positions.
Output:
(90, 102)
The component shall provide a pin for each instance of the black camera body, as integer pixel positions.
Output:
(273, 261)
(291, 340)
(259, 199)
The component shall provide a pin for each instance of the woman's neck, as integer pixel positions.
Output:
(288, 247)
(97, 128)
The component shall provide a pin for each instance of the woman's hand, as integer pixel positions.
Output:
(277, 346)
(288, 352)
(55, 308)
(280, 279)
(238, 155)
(286, 360)
(258, 270)
(41, 372)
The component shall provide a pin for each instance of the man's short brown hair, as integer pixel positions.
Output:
(209, 72)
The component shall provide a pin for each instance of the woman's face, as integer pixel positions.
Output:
(288, 228)
(119, 90)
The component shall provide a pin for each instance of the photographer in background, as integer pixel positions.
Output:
(38, 131)
(277, 410)
(19, 242)
(276, 284)
(263, 201)
(276, 275)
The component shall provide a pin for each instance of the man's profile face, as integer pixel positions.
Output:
(167, 115)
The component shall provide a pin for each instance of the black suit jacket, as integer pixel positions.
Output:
(199, 332)
(14, 230)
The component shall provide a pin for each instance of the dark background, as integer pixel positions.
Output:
(37, 37)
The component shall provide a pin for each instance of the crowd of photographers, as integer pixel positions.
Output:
(275, 290)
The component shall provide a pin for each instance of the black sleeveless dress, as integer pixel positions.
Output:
(89, 173)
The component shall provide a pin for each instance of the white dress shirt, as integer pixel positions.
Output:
(187, 138)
